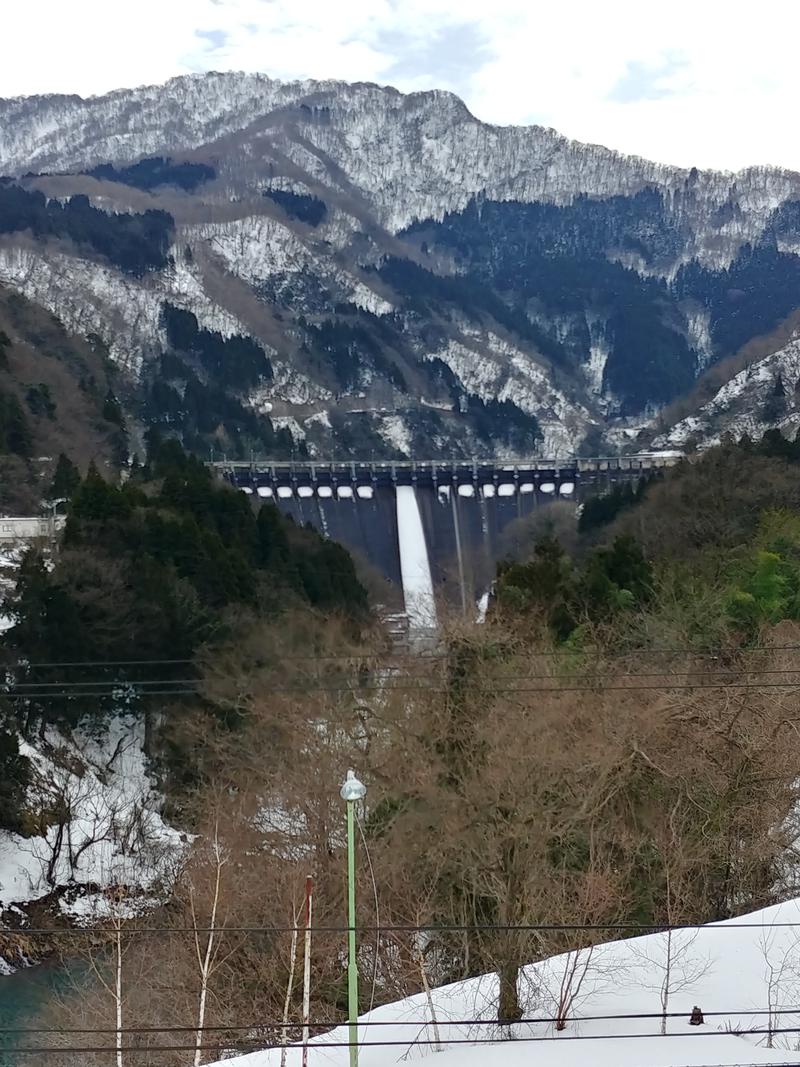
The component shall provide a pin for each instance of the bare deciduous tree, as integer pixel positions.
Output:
(672, 960)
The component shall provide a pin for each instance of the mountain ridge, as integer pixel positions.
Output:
(315, 85)
(221, 102)
(406, 269)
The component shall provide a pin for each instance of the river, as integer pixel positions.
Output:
(23, 995)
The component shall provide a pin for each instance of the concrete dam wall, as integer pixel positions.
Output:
(431, 529)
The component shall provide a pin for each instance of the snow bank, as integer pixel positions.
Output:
(115, 835)
(728, 966)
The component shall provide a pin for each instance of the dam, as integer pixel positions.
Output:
(433, 529)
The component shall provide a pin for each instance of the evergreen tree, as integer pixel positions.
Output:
(66, 479)
(112, 411)
(5, 344)
(40, 401)
(14, 777)
(615, 577)
(15, 431)
(97, 500)
(149, 574)
(273, 541)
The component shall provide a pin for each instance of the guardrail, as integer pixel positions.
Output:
(476, 467)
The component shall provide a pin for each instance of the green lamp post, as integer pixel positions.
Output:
(352, 791)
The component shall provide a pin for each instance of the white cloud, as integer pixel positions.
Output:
(718, 84)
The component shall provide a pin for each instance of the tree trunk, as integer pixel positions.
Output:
(666, 986)
(508, 1007)
(118, 990)
(511, 915)
(437, 1047)
(206, 960)
(289, 985)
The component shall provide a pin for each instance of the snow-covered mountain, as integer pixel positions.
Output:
(412, 156)
(415, 280)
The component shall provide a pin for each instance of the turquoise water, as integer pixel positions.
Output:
(23, 996)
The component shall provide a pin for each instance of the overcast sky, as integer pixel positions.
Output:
(694, 82)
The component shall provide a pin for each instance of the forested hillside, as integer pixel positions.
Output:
(57, 395)
(150, 580)
(134, 243)
(704, 558)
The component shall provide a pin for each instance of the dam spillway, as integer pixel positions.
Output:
(392, 515)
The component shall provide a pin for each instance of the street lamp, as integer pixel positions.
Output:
(351, 792)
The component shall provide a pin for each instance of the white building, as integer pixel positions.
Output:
(15, 528)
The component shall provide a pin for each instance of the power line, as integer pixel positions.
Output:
(115, 692)
(588, 678)
(115, 684)
(356, 687)
(616, 654)
(103, 688)
(325, 1045)
(530, 676)
(725, 925)
(440, 1021)
(100, 663)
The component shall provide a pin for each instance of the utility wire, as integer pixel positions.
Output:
(592, 683)
(24, 664)
(724, 925)
(356, 687)
(323, 1046)
(617, 654)
(588, 677)
(419, 1023)
(108, 683)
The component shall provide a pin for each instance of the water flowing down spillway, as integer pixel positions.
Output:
(414, 527)
(415, 566)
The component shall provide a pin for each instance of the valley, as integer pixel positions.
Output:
(342, 430)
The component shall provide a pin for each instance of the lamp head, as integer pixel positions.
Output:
(352, 788)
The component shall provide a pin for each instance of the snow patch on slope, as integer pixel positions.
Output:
(599, 351)
(88, 298)
(728, 966)
(321, 418)
(394, 431)
(738, 406)
(493, 369)
(698, 325)
(288, 422)
(289, 385)
(124, 311)
(115, 836)
(257, 247)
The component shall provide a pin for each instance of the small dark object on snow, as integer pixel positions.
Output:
(697, 1017)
